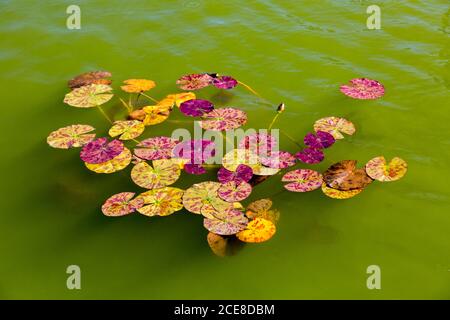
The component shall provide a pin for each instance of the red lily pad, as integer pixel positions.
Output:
(363, 88)
(121, 204)
(99, 150)
(302, 180)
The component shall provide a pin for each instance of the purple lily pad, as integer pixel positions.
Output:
(194, 168)
(278, 160)
(225, 82)
(310, 155)
(197, 151)
(196, 107)
(99, 150)
(243, 173)
(320, 140)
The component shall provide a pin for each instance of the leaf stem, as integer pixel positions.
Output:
(250, 89)
(105, 115)
(147, 96)
(273, 121)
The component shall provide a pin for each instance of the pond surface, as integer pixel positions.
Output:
(296, 52)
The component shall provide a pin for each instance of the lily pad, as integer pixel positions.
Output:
(339, 194)
(163, 173)
(310, 155)
(117, 163)
(258, 230)
(100, 150)
(261, 170)
(197, 151)
(261, 144)
(92, 95)
(194, 81)
(137, 85)
(226, 223)
(95, 77)
(161, 202)
(320, 140)
(72, 136)
(202, 198)
(225, 82)
(379, 169)
(242, 173)
(234, 192)
(155, 148)
(236, 157)
(194, 168)
(302, 180)
(196, 107)
(121, 204)
(363, 88)
(345, 176)
(278, 160)
(179, 98)
(156, 114)
(335, 126)
(223, 119)
(127, 130)
(262, 208)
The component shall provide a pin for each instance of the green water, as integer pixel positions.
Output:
(298, 52)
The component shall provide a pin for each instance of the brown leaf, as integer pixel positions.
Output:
(345, 176)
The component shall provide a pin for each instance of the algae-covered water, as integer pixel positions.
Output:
(296, 52)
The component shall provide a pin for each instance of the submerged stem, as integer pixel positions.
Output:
(127, 107)
(273, 121)
(104, 114)
(148, 97)
(250, 89)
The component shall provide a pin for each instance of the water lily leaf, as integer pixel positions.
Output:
(242, 173)
(95, 77)
(100, 150)
(73, 136)
(155, 148)
(262, 209)
(335, 126)
(302, 180)
(137, 85)
(261, 144)
(194, 168)
(378, 169)
(117, 163)
(310, 155)
(261, 170)
(320, 140)
(236, 157)
(163, 173)
(194, 81)
(223, 119)
(196, 107)
(225, 82)
(202, 198)
(137, 115)
(257, 230)
(197, 151)
(161, 202)
(223, 246)
(363, 88)
(127, 130)
(278, 160)
(226, 223)
(179, 98)
(339, 194)
(233, 192)
(156, 114)
(89, 96)
(345, 176)
(121, 204)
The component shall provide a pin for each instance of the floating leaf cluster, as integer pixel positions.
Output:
(158, 162)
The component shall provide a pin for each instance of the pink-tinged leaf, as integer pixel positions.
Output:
(225, 82)
(194, 81)
(226, 222)
(196, 107)
(302, 180)
(380, 170)
(233, 192)
(320, 140)
(155, 148)
(261, 144)
(194, 169)
(310, 155)
(363, 88)
(163, 173)
(223, 119)
(196, 151)
(121, 204)
(99, 150)
(243, 173)
(278, 160)
(73, 136)
(335, 126)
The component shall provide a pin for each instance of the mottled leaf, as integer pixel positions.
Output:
(234, 192)
(95, 77)
(225, 82)
(156, 114)
(161, 202)
(194, 81)
(163, 173)
(89, 96)
(302, 180)
(335, 126)
(127, 130)
(257, 230)
(100, 150)
(117, 163)
(236, 157)
(338, 194)
(320, 140)
(363, 88)
(196, 107)
(155, 148)
(223, 119)
(73, 136)
(262, 208)
(345, 176)
(137, 85)
(310, 155)
(226, 222)
(242, 173)
(378, 169)
(278, 160)
(121, 204)
(261, 144)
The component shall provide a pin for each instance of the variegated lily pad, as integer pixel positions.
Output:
(320, 140)
(380, 170)
(163, 173)
(156, 114)
(127, 130)
(117, 163)
(225, 82)
(89, 96)
(242, 173)
(261, 170)
(335, 126)
(223, 119)
(202, 198)
(100, 150)
(262, 208)
(226, 223)
(310, 155)
(302, 180)
(161, 202)
(73, 136)
(179, 98)
(234, 192)
(194, 81)
(278, 160)
(95, 77)
(345, 176)
(261, 144)
(258, 230)
(363, 88)
(155, 148)
(236, 157)
(338, 194)
(121, 204)
(196, 107)
(137, 85)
